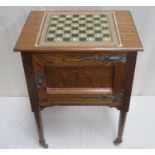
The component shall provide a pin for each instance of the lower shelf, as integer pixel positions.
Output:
(114, 104)
(75, 102)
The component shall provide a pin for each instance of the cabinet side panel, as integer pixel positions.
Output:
(27, 64)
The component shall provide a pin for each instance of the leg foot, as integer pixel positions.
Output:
(37, 115)
(117, 141)
(43, 143)
(122, 120)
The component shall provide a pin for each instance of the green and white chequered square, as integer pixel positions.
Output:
(78, 28)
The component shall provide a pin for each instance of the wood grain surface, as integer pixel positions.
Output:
(128, 35)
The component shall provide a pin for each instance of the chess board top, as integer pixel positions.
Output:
(74, 29)
(79, 31)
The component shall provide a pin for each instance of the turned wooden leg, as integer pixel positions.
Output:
(122, 120)
(38, 119)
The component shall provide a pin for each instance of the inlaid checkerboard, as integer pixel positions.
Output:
(78, 28)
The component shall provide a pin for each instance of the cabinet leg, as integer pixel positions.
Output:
(122, 120)
(38, 119)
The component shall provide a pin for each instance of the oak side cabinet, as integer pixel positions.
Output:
(79, 58)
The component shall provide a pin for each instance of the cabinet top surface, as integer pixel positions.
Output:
(79, 31)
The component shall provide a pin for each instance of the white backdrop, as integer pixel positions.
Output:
(12, 19)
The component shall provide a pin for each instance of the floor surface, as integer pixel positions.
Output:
(76, 127)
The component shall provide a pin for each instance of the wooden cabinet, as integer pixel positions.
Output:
(79, 58)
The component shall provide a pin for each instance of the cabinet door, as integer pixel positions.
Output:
(79, 78)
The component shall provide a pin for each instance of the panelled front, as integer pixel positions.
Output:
(79, 78)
